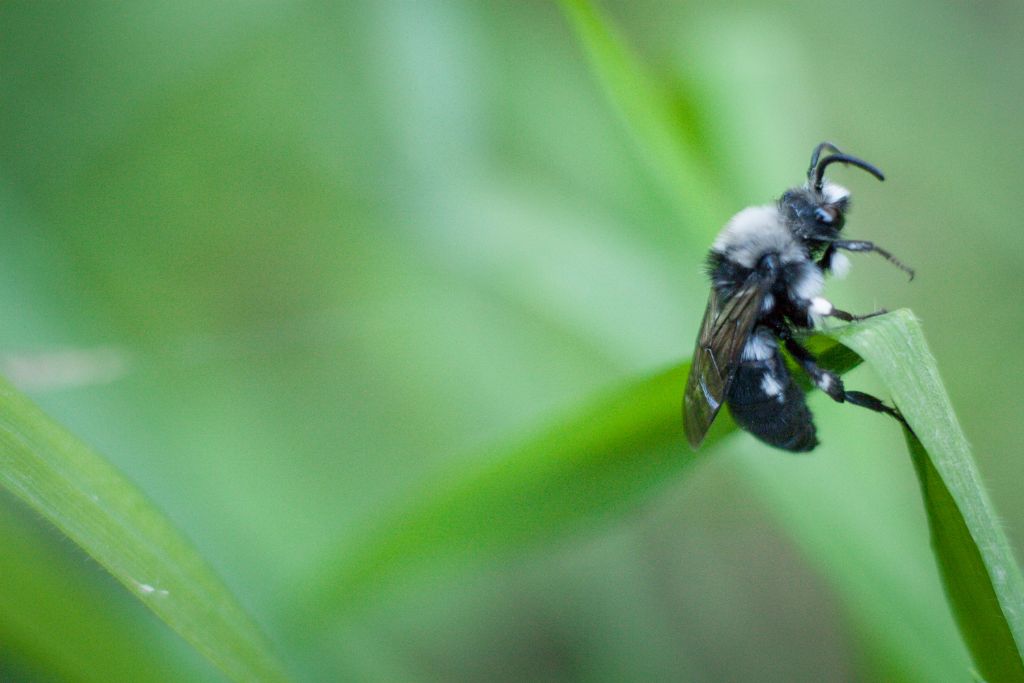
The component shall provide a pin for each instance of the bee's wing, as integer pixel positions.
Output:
(723, 333)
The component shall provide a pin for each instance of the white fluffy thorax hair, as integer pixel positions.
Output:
(754, 232)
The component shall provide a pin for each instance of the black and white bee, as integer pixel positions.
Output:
(767, 269)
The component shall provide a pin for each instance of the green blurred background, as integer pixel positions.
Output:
(284, 263)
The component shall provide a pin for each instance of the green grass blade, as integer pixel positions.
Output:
(981, 577)
(580, 468)
(112, 521)
(50, 598)
(591, 464)
(647, 111)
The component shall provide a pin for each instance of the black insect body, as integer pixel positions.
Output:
(767, 270)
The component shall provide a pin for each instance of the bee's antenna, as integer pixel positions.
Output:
(819, 169)
(817, 153)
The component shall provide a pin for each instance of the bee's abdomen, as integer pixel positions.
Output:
(764, 400)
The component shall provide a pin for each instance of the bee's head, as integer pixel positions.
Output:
(817, 211)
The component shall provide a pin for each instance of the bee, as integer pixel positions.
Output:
(767, 269)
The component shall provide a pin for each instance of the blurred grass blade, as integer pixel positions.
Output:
(982, 579)
(50, 598)
(583, 466)
(110, 519)
(598, 461)
(647, 112)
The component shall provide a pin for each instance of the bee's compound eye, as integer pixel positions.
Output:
(825, 214)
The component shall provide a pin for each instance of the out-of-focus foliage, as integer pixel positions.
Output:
(106, 516)
(284, 262)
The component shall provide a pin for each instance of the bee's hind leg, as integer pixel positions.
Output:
(859, 398)
(831, 383)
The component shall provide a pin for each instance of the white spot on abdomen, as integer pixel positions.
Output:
(771, 386)
(760, 346)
